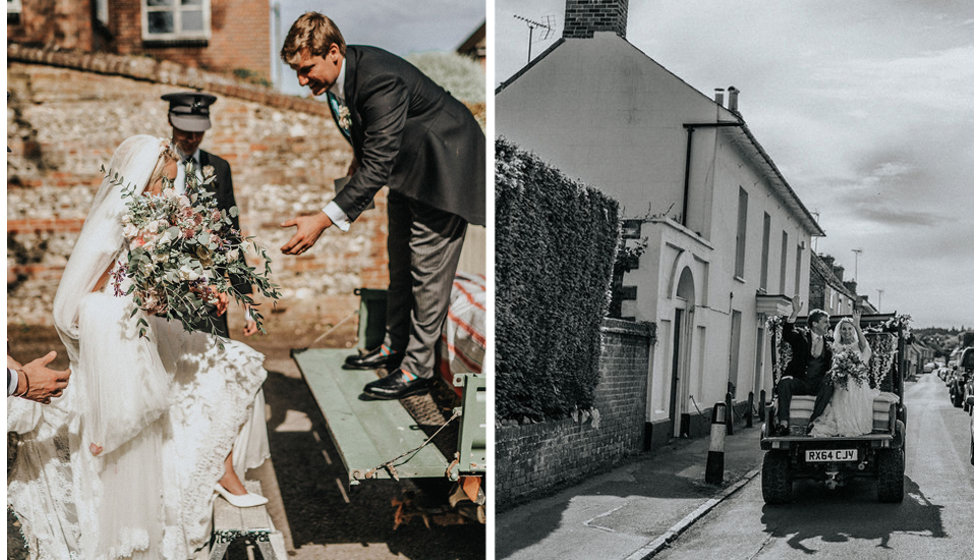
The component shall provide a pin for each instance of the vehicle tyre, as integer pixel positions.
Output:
(777, 485)
(891, 475)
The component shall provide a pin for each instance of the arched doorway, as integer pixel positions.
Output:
(682, 337)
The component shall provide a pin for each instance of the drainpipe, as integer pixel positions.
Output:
(687, 160)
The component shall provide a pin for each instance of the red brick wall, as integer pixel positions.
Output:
(239, 36)
(239, 33)
(532, 459)
(66, 23)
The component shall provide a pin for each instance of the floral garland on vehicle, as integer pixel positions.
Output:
(784, 355)
(901, 324)
(181, 247)
(847, 364)
(884, 347)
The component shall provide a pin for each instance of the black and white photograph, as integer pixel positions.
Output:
(734, 279)
(246, 280)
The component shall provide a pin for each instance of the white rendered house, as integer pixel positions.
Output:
(728, 241)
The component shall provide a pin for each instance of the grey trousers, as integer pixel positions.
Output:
(424, 244)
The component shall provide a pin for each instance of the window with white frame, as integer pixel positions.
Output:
(13, 12)
(176, 20)
(102, 11)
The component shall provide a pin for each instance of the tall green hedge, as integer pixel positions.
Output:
(556, 243)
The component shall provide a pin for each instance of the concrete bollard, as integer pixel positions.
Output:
(762, 405)
(748, 413)
(714, 472)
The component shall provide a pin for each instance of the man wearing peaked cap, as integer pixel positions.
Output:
(190, 116)
(190, 111)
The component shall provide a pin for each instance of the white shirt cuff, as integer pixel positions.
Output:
(337, 216)
(11, 381)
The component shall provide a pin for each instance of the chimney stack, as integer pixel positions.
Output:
(839, 272)
(584, 17)
(733, 99)
(720, 96)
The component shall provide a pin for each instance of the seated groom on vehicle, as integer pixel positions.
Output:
(806, 371)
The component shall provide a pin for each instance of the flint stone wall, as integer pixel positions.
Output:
(66, 114)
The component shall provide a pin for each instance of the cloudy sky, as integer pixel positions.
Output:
(396, 25)
(866, 107)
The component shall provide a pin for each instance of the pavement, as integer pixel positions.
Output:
(634, 510)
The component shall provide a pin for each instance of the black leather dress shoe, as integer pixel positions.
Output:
(394, 386)
(372, 360)
(780, 431)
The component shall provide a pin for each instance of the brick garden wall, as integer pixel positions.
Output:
(532, 459)
(66, 114)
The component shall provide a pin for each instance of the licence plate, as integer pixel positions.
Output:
(831, 455)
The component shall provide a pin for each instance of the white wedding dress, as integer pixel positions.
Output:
(851, 408)
(162, 412)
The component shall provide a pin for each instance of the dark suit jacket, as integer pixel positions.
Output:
(799, 340)
(412, 135)
(225, 197)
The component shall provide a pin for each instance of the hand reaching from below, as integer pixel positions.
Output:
(42, 383)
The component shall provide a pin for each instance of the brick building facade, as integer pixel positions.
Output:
(283, 153)
(532, 459)
(216, 35)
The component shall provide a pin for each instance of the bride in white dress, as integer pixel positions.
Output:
(125, 463)
(851, 409)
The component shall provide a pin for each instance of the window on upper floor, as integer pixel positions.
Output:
(13, 12)
(176, 20)
(764, 273)
(743, 212)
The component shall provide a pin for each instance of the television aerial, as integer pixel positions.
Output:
(547, 28)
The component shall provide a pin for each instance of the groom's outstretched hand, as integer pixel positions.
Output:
(308, 230)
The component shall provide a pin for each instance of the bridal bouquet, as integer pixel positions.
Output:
(846, 364)
(181, 246)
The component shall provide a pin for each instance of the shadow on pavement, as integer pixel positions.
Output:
(313, 490)
(852, 512)
(651, 475)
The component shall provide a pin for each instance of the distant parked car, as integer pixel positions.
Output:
(929, 367)
(960, 376)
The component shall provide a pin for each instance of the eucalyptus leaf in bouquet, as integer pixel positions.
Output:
(182, 249)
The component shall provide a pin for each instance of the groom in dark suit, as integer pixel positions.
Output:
(190, 116)
(413, 136)
(807, 371)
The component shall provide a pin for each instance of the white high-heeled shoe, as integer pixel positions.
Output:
(243, 501)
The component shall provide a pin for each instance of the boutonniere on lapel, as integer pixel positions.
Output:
(343, 116)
